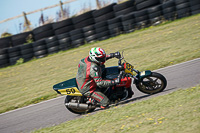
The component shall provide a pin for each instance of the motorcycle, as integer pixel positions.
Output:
(146, 81)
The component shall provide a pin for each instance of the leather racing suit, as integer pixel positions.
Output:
(89, 80)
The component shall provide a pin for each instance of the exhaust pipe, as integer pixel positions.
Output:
(80, 106)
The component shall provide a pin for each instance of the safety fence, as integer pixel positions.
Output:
(95, 25)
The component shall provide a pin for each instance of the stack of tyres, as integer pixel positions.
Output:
(168, 10)
(182, 8)
(39, 48)
(163, 1)
(104, 13)
(195, 6)
(115, 26)
(63, 26)
(128, 23)
(64, 41)
(83, 20)
(52, 45)
(14, 54)
(102, 31)
(89, 33)
(141, 19)
(124, 8)
(144, 4)
(43, 32)
(27, 51)
(5, 42)
(77, 37)
(21, 38)
(155, 14)
(4, 58)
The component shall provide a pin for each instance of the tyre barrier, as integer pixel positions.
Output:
(21, 38)
(4, 59)
(27, 52)
(95, 25)
(14, 55)
(43, 32)
(194, 6)
(64, 41)
(115, 26)
(5, 42)
(63, 26)
(141, 19)
(40, 49)
(89, 33)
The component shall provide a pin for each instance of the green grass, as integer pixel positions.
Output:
(151, 48)
(177, 112)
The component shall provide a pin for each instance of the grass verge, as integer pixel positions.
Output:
(177, 112)
(151, 48)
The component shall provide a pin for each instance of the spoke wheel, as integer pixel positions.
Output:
(152, 84)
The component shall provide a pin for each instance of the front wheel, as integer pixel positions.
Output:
(152, 84)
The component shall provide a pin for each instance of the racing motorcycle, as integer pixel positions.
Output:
(146, 81)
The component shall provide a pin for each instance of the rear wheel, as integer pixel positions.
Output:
(77, 99)
(152, 84)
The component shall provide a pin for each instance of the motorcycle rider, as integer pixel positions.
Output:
(89, 74)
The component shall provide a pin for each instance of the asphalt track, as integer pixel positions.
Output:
(53, 112)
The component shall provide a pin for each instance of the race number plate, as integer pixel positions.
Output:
(129, 68)
(70, 91)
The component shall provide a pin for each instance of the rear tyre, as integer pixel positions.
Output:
(77, 99)
(152, 84)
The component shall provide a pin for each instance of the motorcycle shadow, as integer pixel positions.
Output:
(143, 97)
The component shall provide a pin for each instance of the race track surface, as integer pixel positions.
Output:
(53, 112)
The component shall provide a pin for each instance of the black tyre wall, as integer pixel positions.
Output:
(21, 38)
(77, 37)
(43, 32)
(27, 51)
(115, 26)
(102, 31)
(123, 6)
(14, 55)
(104, 17)
(141, 19)
(83, 20)
(52, 45)
(39, 48)
(63, 23)
(103, 10)
(182, 8)
(146, 4)
(4, 58)
(89, 33)
(5, 42)
(194, 6)
(168, 10)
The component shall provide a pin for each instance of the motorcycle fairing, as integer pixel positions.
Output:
(68, 87)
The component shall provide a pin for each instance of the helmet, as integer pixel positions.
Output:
(97, 55)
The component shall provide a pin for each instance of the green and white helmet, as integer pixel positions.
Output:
(97, 55)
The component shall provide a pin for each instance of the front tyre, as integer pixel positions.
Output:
(152, 84)
(77, 99)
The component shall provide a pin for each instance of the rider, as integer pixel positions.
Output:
(89, 74)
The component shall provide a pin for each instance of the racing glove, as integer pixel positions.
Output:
(117, 80)
(116, 55)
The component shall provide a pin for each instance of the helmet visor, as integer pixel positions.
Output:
(103, 59)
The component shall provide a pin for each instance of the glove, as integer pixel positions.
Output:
(117, 81)
(116, 55)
